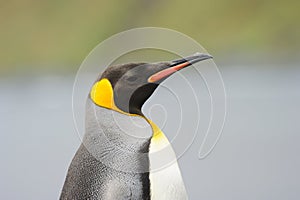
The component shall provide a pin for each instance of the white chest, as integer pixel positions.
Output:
(165, 177)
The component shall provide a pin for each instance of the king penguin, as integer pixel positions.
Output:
(117, 159)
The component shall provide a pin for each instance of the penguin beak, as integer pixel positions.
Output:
(177, 65)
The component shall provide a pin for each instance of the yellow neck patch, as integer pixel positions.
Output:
(102, 94)
(157, 133)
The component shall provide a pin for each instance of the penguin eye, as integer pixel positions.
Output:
(131, 78)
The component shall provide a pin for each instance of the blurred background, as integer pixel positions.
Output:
(255, 44)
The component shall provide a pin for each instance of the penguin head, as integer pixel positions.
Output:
(127, 87)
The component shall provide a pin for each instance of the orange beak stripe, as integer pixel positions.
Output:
(166, 72)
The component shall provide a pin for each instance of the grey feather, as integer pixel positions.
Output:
(112, 162)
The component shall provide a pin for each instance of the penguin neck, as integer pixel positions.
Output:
(133, 143)
(117, 140)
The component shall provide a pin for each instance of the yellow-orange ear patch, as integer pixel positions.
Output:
(102, 94)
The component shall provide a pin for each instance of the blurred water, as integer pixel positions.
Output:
(256, 158)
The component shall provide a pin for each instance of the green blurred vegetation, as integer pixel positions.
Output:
(49, 34)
